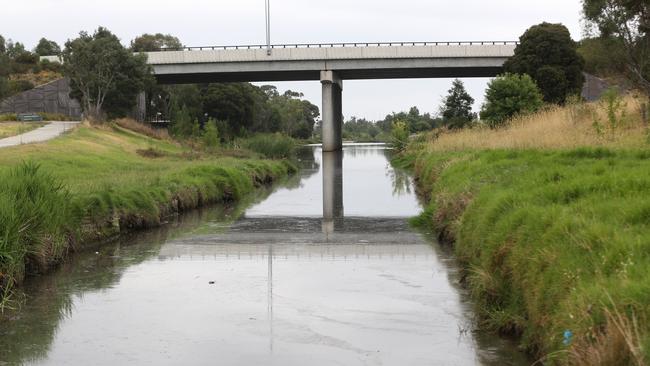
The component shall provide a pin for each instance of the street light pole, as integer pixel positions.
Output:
(268, 27)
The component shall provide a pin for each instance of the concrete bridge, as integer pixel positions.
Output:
(331, 64)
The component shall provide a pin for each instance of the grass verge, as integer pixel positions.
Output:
(8, 129)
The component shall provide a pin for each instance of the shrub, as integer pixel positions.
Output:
(510, 95)
(400, 135)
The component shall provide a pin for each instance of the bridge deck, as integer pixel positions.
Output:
(305, 62)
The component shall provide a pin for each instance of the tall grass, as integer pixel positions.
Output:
(274, 146)
(555, 127)
(36, 218)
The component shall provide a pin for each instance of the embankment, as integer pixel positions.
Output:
(97, 183)
(554, 242)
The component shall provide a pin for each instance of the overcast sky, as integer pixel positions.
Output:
(219, 22)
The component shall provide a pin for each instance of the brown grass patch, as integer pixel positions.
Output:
(555, 127)
(151, 153)
(141, 128)
(616, 343)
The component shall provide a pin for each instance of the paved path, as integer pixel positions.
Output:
(47, 132)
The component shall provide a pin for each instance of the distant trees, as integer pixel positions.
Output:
(104, 75)
(415, 121)
(547, 53)
(624, 24)
(46, 47)
(509, 95)
(456, 109)
(154, 42)
(241, 108)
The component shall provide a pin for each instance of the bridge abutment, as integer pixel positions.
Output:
(332, 111)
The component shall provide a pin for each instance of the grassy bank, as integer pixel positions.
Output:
(96, 183)
(553, 232)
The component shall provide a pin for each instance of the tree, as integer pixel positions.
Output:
(46, 47)
(3, 47)
(510, 95)
(547, 53)
(456, 110)
(628, 22)
(104, 73)
(155, 42)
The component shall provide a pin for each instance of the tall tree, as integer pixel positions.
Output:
(3, 47)
(456, 109)
(154, 42)
(46, 47)
(628, 22)
(103, 72)
(547, 53)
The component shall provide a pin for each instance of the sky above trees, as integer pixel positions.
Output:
(209, 22)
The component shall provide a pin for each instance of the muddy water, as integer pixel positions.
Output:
(322, 270)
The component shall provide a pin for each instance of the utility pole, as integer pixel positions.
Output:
(268, 27)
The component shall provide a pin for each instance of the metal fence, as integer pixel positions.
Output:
(342, 45)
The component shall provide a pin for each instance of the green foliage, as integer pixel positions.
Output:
(104, 76)
(210, 137)
(415, 121)
(456, 110)
(46, 47)
(274, 146)
(625, 24)
(3, 47)
(547, 53)
(547, 239)
(361, 130)
(510, 95)
(400, 135)
(181, 123)
(155, 42)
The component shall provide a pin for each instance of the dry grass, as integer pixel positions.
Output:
(617, 343)
(129, 124)
(553, 128)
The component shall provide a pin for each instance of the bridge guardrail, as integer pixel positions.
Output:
(354, 44)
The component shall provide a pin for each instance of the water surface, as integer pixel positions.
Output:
(322, 270)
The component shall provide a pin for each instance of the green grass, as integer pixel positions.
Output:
(550, 241)
(8, 129)
(273, 146)
(95, 183)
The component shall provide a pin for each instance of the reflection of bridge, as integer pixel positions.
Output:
(331, 64)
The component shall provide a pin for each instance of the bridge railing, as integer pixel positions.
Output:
(355, 44)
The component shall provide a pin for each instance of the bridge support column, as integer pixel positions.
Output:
(332, 111)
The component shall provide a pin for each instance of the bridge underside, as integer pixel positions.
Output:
(307, 75)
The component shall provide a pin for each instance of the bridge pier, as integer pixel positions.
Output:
(332, 111)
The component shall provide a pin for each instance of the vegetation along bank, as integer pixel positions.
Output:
(550, 219)
(100, 181)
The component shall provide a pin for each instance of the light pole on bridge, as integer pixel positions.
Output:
(268, 27)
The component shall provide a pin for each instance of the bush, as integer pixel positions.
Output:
(210, 138)
(400, 135)
(275, 146)
(510, 95)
